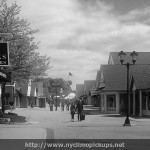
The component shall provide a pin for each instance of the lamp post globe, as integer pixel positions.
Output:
(122, 56)
(134, 56)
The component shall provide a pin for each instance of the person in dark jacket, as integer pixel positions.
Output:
(67, 106)
(72, 109)
(79, 108)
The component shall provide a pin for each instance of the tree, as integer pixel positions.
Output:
(25, 61)
(58, 87)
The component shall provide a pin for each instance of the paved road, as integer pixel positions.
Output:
(45, 124)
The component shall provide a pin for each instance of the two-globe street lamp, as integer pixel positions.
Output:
(122, 56)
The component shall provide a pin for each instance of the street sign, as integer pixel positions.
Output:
(4, 54)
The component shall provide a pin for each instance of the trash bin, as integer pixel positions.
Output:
(51, 107)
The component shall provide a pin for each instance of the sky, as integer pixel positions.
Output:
(78, 35)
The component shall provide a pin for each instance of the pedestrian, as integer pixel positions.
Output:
(62, 106)
(67, 106)
(31, 105)
(79, 108)
(72, 111)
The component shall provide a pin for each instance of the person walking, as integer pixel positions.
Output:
(72, 111)
(79, 108)
(62, 106)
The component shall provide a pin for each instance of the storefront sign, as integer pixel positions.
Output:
(4, 54)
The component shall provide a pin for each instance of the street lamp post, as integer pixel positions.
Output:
(122, 56)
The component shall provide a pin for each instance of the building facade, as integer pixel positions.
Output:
(112, 85)
(25, 95)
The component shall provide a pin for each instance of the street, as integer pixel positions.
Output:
(45, 124)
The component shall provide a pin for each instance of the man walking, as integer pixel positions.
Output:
(79, 108)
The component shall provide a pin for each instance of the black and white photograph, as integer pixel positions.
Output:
(74, 74)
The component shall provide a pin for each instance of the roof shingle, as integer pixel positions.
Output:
(88, 85)
(79, 90)
(115, 76)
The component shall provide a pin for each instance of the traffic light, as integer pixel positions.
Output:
(4, 54)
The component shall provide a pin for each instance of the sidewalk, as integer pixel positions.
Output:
(45, 124)
(30, 115)
(144, 118)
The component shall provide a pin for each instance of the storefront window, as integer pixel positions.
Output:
(111, 102)
(123, 100)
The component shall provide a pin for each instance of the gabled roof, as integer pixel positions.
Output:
(143, 58)
(88, 85)
(34, 86)
(115, 77)
(79, 90)
(141, 76)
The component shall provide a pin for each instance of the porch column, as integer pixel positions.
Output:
(134, 102)
(105, 103)
(140, 102)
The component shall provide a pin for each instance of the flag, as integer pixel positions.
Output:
(70, 74)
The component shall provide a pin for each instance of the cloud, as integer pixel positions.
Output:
(82, 64)
(79, 34)
(136, 15)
